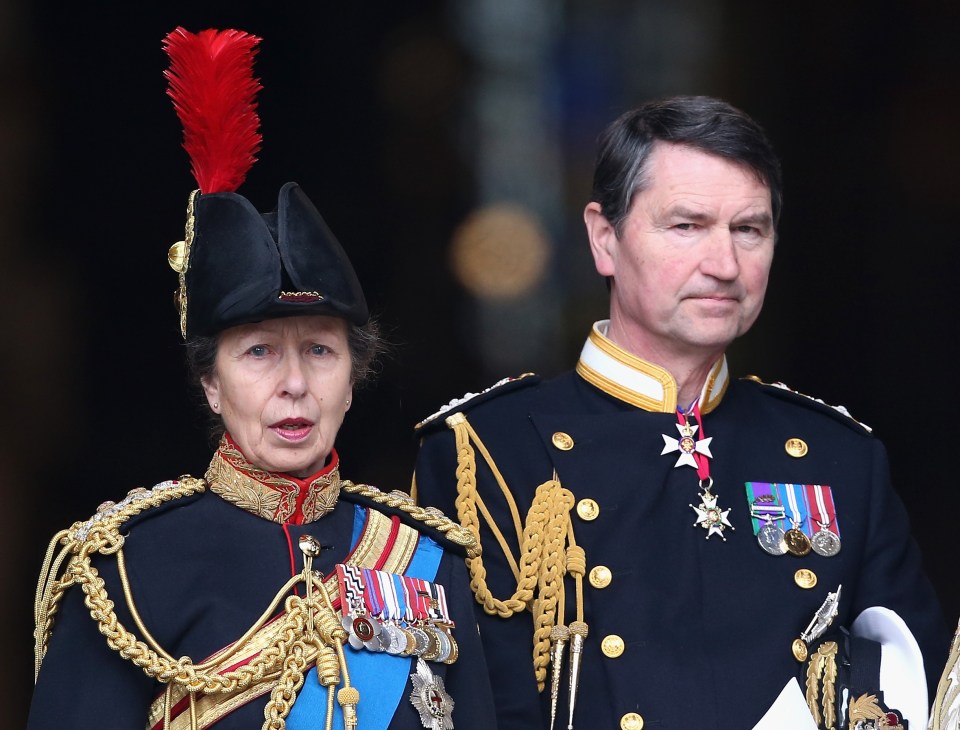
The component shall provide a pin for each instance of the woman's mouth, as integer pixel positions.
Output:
(292, 429)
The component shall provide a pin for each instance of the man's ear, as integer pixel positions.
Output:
(603, 239)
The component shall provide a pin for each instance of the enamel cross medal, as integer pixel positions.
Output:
(696, 453)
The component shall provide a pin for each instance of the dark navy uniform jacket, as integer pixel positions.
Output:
(202, 571)
(706, 625)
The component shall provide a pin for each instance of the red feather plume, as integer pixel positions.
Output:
(214, 94)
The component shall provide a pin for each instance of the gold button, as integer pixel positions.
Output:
(796, 447)
(562, 441)
(799, 650)
(805, 578)
(631, 721)
(754, 378)
(588, 509)
(600, 576)
(612, 646)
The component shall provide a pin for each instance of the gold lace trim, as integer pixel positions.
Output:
(267, 495)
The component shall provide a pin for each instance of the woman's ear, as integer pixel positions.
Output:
(211, 389)
(603, 239)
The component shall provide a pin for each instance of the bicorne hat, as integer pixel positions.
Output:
(235, 264)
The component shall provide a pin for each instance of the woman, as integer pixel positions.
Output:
(271, 592)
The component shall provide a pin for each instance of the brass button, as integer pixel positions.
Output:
(805, 578)
(799, 650)
(631, 721)
(588, 509)
(600, 576)
(562, 441)
(754, 378)
(612, 646)
(796, 447)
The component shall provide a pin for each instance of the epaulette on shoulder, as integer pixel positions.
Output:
(471, 400)
(429, 520)
(111, 516)
(782, 390)
(101, 533)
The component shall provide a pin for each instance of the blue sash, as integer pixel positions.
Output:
(380, 678)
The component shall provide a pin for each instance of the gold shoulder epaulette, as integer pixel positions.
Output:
(429, 516)
(783, 386)
(99, 534)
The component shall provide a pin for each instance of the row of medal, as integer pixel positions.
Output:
(794, 518)
(396, 614)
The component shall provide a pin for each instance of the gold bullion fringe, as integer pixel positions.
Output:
(547, 548)
(309, 624)
(822, 668)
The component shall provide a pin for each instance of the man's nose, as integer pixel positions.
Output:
(720, 259)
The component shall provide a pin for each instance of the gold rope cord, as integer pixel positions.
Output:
(309, 624)
(543, 562)
(429, 516)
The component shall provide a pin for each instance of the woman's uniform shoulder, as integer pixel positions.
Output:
(424, 519)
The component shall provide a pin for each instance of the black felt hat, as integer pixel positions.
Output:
(237, 265)
(246, 267)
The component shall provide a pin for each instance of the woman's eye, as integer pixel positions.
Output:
(258, 350)
(319, 350)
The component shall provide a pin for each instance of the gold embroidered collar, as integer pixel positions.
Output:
(277, 497)
(629, 378)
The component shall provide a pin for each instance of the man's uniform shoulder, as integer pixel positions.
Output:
(782, 394)
(496, 393)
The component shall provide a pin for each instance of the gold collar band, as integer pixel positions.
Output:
(633, 380)
(276, 497)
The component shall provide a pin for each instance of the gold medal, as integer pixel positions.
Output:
(797, 543)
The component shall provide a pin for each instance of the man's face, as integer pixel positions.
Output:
(690, 269)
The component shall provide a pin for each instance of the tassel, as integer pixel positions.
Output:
(214, 94)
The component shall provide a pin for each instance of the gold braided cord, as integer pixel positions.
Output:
(47, 599)
(308, 631)
(498, 476)
(101, 533)
(429, 516)
(550, 575)
(466, 505)
(543, 561)
(577, 567)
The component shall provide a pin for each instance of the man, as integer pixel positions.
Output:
(673, 547)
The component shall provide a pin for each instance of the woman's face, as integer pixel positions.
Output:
(282, 387)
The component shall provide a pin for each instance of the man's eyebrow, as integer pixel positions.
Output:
(683, 211)
(760, 218)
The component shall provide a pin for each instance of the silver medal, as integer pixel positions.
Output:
(397, 641)
(825, 543)
(770, 537)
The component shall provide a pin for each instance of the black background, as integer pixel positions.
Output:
(364, 106)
